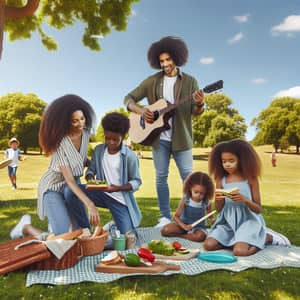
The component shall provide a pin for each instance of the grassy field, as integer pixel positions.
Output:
(280, 189)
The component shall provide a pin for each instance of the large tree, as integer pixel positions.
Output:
(279, 124)
(219, 122)
(20, 18)
(20, 116)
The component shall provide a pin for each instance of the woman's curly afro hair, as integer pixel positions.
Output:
(175, 46)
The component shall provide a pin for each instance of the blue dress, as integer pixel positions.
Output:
(190, 214)
(238, 223)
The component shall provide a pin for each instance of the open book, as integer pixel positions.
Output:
(227, 192)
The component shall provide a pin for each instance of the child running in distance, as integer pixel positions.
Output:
(240, 225)
(13, 153)
(198, 189)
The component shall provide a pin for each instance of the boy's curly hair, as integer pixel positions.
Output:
(172, 45)
(115, 122)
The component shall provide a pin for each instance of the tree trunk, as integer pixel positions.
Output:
(7, 12)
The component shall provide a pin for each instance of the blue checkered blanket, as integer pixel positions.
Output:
(84, 270)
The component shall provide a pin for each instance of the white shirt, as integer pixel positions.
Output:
(14, 155)
(111, 168)
(168, 94)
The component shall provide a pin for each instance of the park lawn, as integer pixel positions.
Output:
(280, 190)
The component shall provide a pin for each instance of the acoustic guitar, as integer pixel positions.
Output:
(141, 132)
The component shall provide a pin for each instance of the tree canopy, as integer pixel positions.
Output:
(219, 122)
(279, 124)
(21, 18)
(20, 117)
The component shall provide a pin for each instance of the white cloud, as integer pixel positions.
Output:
(293, 92)
(259, 80)
(207, 60)
(242, 19)
(235, 38)
(289, 24)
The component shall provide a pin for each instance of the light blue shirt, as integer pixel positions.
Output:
(129, 173)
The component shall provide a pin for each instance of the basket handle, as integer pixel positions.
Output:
(80, 254)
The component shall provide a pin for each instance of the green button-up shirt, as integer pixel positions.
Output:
(185, 86)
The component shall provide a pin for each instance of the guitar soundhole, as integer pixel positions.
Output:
(156, 115)
(142, 122)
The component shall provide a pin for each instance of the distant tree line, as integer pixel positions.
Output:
(278, 124)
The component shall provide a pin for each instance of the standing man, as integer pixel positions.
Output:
(168, 54)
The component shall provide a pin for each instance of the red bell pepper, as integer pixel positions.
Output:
(146, 254)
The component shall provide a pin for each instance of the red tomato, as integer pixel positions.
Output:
(176, 245)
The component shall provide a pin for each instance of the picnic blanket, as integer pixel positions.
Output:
(84, 270)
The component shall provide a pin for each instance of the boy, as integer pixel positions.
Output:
(118, 165)
(13, 153)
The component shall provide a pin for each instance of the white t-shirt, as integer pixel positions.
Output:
(168, 94)
(111, 168)
(14, 155)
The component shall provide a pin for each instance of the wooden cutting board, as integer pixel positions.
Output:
(11, 259)
(193, 253)
(122, 268)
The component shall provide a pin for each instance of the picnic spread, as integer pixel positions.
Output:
(80, 256)
(97, 268)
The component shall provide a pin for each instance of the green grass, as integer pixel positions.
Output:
(280, 190)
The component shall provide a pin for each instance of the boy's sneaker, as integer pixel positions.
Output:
(162, 222)
(108, 225)
(278, 238)
(17, 231)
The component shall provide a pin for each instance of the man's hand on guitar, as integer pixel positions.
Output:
(198, 97)
(148, 115)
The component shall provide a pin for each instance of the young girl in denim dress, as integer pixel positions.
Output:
(240, 225)
(198, 189)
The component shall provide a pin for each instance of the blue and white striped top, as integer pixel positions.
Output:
(65, 155)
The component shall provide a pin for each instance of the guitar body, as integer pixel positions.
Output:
(145, 133)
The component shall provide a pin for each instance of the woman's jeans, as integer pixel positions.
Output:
(119, 211)
(56, 212)
(161, 158)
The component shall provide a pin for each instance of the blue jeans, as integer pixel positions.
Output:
(161, 159)
(119, 211)
(12, 171)
(56, 212)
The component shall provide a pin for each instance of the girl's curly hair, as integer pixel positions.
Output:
(201, 179)
(172, 45)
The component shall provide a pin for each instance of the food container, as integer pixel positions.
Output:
(93, 245)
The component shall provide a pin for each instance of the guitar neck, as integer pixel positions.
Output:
(172, 106)
(207, 89)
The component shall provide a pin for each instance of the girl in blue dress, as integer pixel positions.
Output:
(236, 165)
(198, 189)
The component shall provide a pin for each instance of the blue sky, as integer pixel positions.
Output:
(252, 45)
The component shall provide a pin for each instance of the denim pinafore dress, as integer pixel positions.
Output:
(193, 213)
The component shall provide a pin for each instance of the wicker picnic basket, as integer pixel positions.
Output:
(93, 245)
(69, 259)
